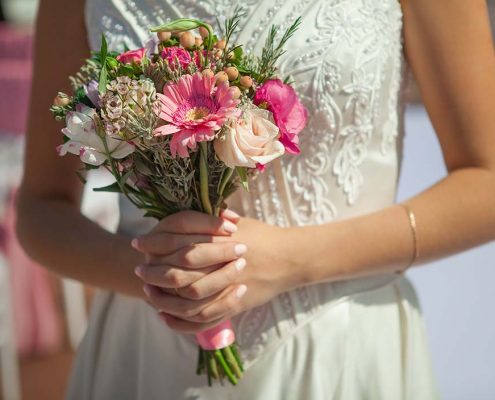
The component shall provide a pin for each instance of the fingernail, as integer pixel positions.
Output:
(147, 290)
(240, 264)
(134, 243)
(241, 291)
(240, 249)
(228, 213)
(229, 227)
(138, 270)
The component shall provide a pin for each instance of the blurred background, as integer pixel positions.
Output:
(42, 318)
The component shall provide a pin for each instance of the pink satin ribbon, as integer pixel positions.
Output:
(217, 337)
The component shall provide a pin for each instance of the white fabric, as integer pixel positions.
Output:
(357, 339)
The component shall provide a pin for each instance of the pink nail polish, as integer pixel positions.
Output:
(229, 227)
(240, 264)
(147, 290)
(134, 243)
(228, 213)
(240, 249)
(241, 291)
(138, 270)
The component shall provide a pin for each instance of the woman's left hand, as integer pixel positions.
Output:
(269, 270)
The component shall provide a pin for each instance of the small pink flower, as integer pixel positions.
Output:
(194, 109)
(197, 58)
(132, 56)
(288, 112)
(174, 54)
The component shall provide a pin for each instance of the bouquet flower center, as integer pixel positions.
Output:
(197, 113)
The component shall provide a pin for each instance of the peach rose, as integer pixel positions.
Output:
(250, 141)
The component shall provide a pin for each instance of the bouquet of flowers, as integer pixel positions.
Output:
(181, 124)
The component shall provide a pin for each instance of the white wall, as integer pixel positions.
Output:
(457, 294)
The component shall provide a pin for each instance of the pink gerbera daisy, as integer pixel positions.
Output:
(194, 109)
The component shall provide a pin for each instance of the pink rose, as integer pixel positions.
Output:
(288, 112)
(251, 141)
(172, 54)
(132, 56)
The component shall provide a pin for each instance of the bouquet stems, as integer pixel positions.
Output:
(219, 360)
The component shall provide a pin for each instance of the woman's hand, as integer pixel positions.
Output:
(210, 278)
(270, 271)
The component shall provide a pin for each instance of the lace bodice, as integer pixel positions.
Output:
(348, 67)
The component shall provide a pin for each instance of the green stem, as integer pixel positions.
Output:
(221, 360)
(212, 364)
(203, 178)
(227, 174)
(210, 34)
(229, 356)
(237, 356)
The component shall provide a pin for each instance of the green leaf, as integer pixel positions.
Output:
(104, 49)
(238, 52)
(111, 62)
(114, 188)
(242, 172)
(102, 84)
(178, 25)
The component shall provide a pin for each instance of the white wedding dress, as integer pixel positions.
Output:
(360, 339)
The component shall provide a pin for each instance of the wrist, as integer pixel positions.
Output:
(294, 255)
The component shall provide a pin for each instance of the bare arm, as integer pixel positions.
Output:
(50, 225)
(449, 46)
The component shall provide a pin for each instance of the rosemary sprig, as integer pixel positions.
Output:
(272, 52)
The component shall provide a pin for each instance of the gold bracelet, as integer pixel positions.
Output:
(412, 223)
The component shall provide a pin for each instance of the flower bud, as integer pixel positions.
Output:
(221, 77)
(207, 72)
(232, 73)
(236, 92)
(187, 40)
(246, 82)
(220, 44)
(164, 36)
(218, 53)
(61, 101)
(203, 32)
(198, 41)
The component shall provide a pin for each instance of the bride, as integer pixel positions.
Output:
(313, 257)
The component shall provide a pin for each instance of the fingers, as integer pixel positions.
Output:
(184, 326)
(205, 254)
(176, 305)
(214, 282)
(166, 276)
(194, 222)
(230, 215)
(209, 316)
(163, 243)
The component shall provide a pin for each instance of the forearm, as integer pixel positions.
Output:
(56, 235)
(455, 214)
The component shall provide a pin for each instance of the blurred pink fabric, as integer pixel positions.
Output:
(37, 326)
(15, 78)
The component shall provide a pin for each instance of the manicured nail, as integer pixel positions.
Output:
(147, 290)
(229, 227)
(138, 270)
(241, 291)
(240, 264)
(228, 213)
(240, 249)
(134, 243)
